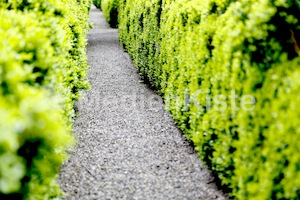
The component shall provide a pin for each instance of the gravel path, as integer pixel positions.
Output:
(128, 146)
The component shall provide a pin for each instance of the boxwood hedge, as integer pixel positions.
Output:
(97, 3)
(140, 35)
(42, 70)
(229, 74)
(110, 11)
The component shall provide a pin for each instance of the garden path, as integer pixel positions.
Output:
(128, 147)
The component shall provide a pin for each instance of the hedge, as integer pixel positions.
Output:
(140, 34)
(42, 70)
(110, 11)
(97, 3)
(212, 61)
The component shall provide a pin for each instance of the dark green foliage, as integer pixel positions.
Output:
(97, 3)
(110, 11)
(208, 58)
(42, 70)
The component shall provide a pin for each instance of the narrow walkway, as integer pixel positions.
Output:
(128, 147)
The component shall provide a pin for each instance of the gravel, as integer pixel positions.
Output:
(128, 147)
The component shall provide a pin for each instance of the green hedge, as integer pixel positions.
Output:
(97, 3)
(140, 34)
(213, 60)
(42, 70)
(110, 11)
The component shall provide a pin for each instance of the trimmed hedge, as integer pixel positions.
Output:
(213, 60)
(110, 11)
(140, 35)
(42, 70)
(97, 3)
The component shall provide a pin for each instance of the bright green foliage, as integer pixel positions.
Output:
(110, 11)
(140, 34)
(42, 70)
(208, 58)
